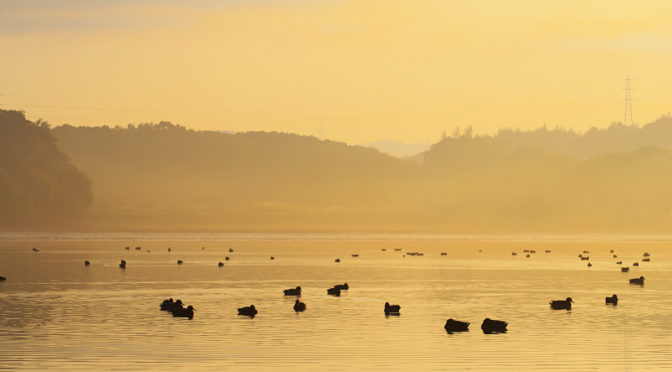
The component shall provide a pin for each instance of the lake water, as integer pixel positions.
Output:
(56, 313)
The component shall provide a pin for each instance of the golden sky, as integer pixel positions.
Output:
(362, 70)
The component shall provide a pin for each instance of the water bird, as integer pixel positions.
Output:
(527, 255)
(35, 249)
(383, 249)
(272, 257)
(619, 262)
(625, 269)
(580, 255)
(138, 248)
(170, 305)
(293, 291)
(169, 249)
(480, 251)
(615, 256)
(611, 300)
(565, 304)
(419, 253)
(184, 313)
(611, 251)
(227, 258)
(638, 281)
(220, 264)
(392, 309)
(179, 262)
(444, 253)
(334, 291)
(585, 258)
(646, 259)
(493, 326)
(397, 249)
(453, 325)
(87, 263)
(202, 248)
(342, 287)
(590, 264)
(635, 264)
(526, 251)
(533, 251)
(646, 254)
(547, 251)
(127, 248)
(122, 264)
(337, 260)
(299, 306)
(230, 250)
(586, 251)
(250, 311)
(355, 255)
(2, 278)
(514, 253)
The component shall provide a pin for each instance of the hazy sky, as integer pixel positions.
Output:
(362, 70)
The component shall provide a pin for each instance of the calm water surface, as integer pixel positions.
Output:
(57, 314)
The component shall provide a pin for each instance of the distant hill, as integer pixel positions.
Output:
(399, 149)
(39, 187)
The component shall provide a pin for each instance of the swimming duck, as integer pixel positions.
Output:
(167, 305)
(625, 269)
(35, 249)
(391, 309)
(635, 264)
(453, 325)
(250, 311)
(220, 264)
(565, 304)
(334, 291)
(383, 249)
(122, 264)
(138, 248)
(169, 249)
(444, 253)
(638, 281)
(646, 254)
(87, 263)
(272, 258)
(299, 306)
(179, 262)
(514, 253)
(342, 287)
(293, 291)
(611, 251)
(619, 262)
(615, 255)
(611, 300)
(590, 264)
(337, 260)
(184, 313)
(227, 258)
(646, 259)
(585, 258)
(230, 250)
(355, 255)
(2, 278)
(493, 326)
(547, 251)
(127, 248)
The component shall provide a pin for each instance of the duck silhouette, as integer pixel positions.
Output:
(337, 260)
(179, 262)
(392, 309)
(625, 269)
(127, 248)
(334, 291)
(293, 291)
(35, 249)
(87, 263)
(227, 258)
(493, 326)
(453, 325)
(638, 281)
(635, 264)
(122, 264)
(565, 304)
(647, 259)
(272, 257)
(299, 306)
(184, 313)
(611, 300)
(250, 311)
(619, 262)
(342, 287)
(167, 305)
(220, 264)
(2, 278)
(230, 250)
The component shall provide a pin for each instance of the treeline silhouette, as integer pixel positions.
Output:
(167, 177)
(39, 187)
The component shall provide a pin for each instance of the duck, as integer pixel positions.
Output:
(493, 326)
(615, 256)
(619, 262)
(453, 325)
(127, 248)
(590, 264)
(167, 305)
(35, 249)
(179, 262)
(337, 260)
(334, 291)
(547, 251)
(2, 278)
(397, 249)
(611, 300)
(646, 259)
(87, 263)
(184, 313)
(383, 249)
(299, 306)
(585, 258)
(272, 258)
(138, 248)
(646, 254)
(293, 291)
(169, 249)
(638, 281)
(611, 251)
(565, 304)
(250, 311)
(220, 264)
(586, 252)
(635, 264)
(625, 269)
(355, 255)
(342, 287)
(392, 309)
(444, 253)
(514, 253)
(230, 250)
(122, 264)
(227, 258)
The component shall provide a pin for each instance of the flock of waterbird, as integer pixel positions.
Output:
(488, 326)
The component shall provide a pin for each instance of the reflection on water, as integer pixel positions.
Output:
(57, 313)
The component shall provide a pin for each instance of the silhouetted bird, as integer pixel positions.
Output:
(526, 251)
(383, 249)
(2, 278)
(167, 305)
(646, 259)
(586, 252)
(35, 249)
(619, 262)
(247, 311)
(138, 248)
(453, 325)
(397, 249)
(355, 255)
(635, 264)
(493, 326)
(444, 253)
(646, 254)
(547, 251)
(299, 306)
(342, 287)
(527, 255)
(337, 260)
(590, 264)
(611, 251)
(638, 281)
(169, 249)
(127, 248)
(585, 258)
(87, 263)
(272, 258)
(202, 248)
(391, 309)
(184, 313)
(122, 264)
(227, 258)
(611, 300)
(220, 264)
(230, 250)
(533, 251)
(334, 291)
(565, 304)
(615, 256)
(179, 262)
(293, 291)
(514, 253)
(625, 269)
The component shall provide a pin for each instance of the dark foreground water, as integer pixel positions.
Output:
(57, 314)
